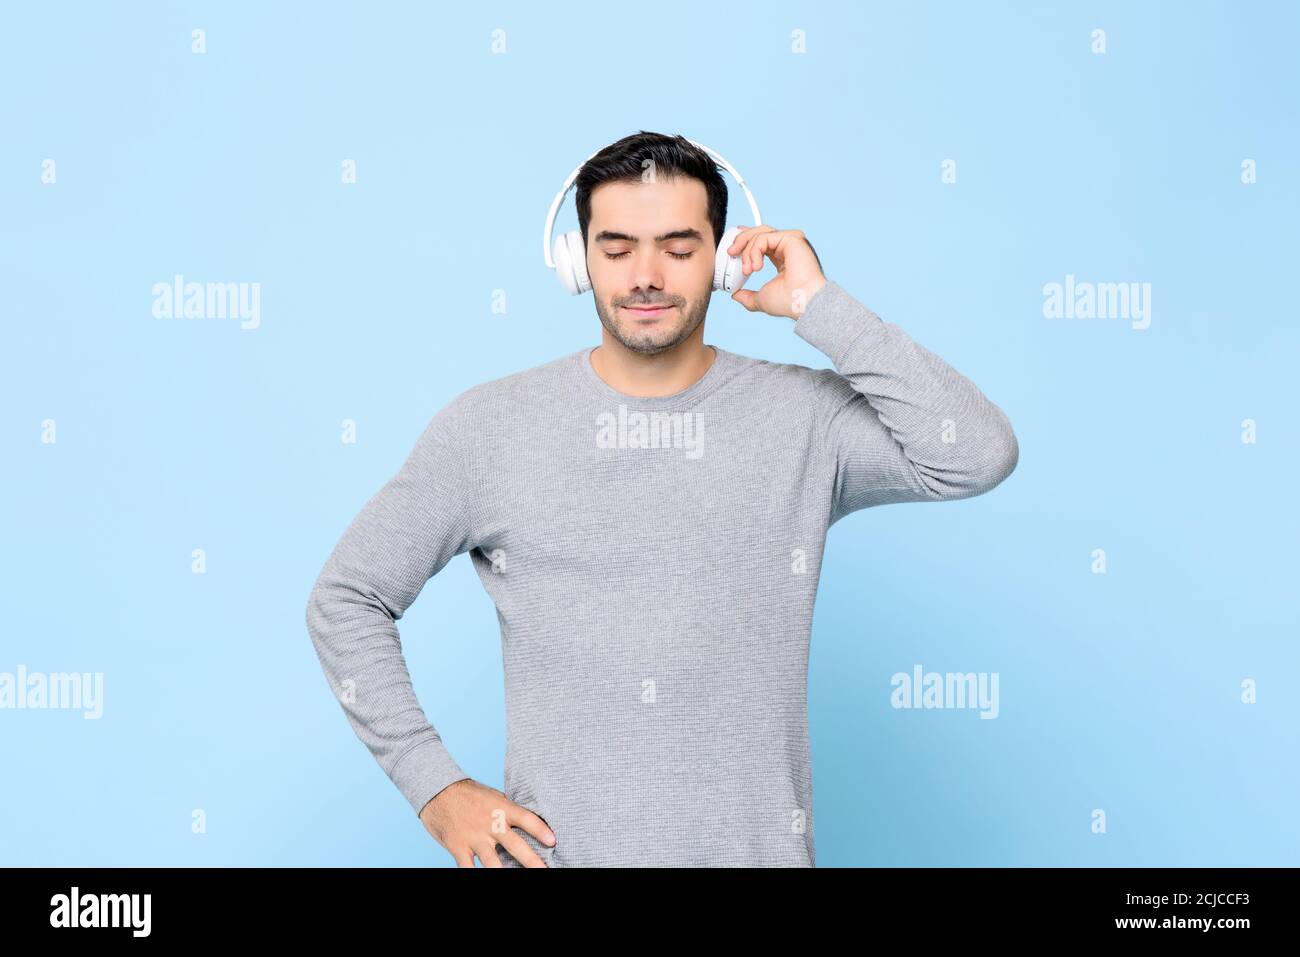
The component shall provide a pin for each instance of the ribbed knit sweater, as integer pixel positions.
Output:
(654, 564)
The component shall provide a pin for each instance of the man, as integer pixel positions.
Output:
(648, 516)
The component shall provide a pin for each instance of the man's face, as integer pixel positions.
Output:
(659, 236)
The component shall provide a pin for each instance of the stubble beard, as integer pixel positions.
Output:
(656, 338)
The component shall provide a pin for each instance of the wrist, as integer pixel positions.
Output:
(803, 295)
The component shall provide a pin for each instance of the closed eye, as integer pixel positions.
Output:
(674, 255)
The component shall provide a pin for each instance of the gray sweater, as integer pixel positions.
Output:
(653, 562)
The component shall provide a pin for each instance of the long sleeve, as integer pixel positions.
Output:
(901, 424)
(406, 533)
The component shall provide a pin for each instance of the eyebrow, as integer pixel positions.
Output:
(606, 235)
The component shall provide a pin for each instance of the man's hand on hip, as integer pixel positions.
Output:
(469, 819)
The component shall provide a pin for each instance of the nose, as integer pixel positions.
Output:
(647, 276)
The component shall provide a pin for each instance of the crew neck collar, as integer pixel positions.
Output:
(706, 383)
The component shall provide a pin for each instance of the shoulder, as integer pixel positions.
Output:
(517, 397)
(786, 377)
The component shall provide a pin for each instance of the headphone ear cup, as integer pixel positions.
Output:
(728, 271)
(579, 260)
(571, 262)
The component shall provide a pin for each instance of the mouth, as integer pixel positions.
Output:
(648, 313)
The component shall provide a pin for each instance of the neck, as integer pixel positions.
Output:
(650, 376)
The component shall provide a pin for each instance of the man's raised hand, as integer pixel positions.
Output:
(799, 271)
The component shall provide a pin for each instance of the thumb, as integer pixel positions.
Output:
(745, 297)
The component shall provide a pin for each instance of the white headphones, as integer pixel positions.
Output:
(570, 260)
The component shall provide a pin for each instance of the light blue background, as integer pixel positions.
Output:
(1118, 691)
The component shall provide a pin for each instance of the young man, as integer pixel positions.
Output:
(648, 516)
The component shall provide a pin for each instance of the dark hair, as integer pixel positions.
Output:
(623, 162)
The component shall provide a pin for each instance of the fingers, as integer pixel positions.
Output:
(747, 236)
(483, 819)
(753, 257)
(520, 850)
(754, 243)
(744, 244)
(533, 824)
(486, 850)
